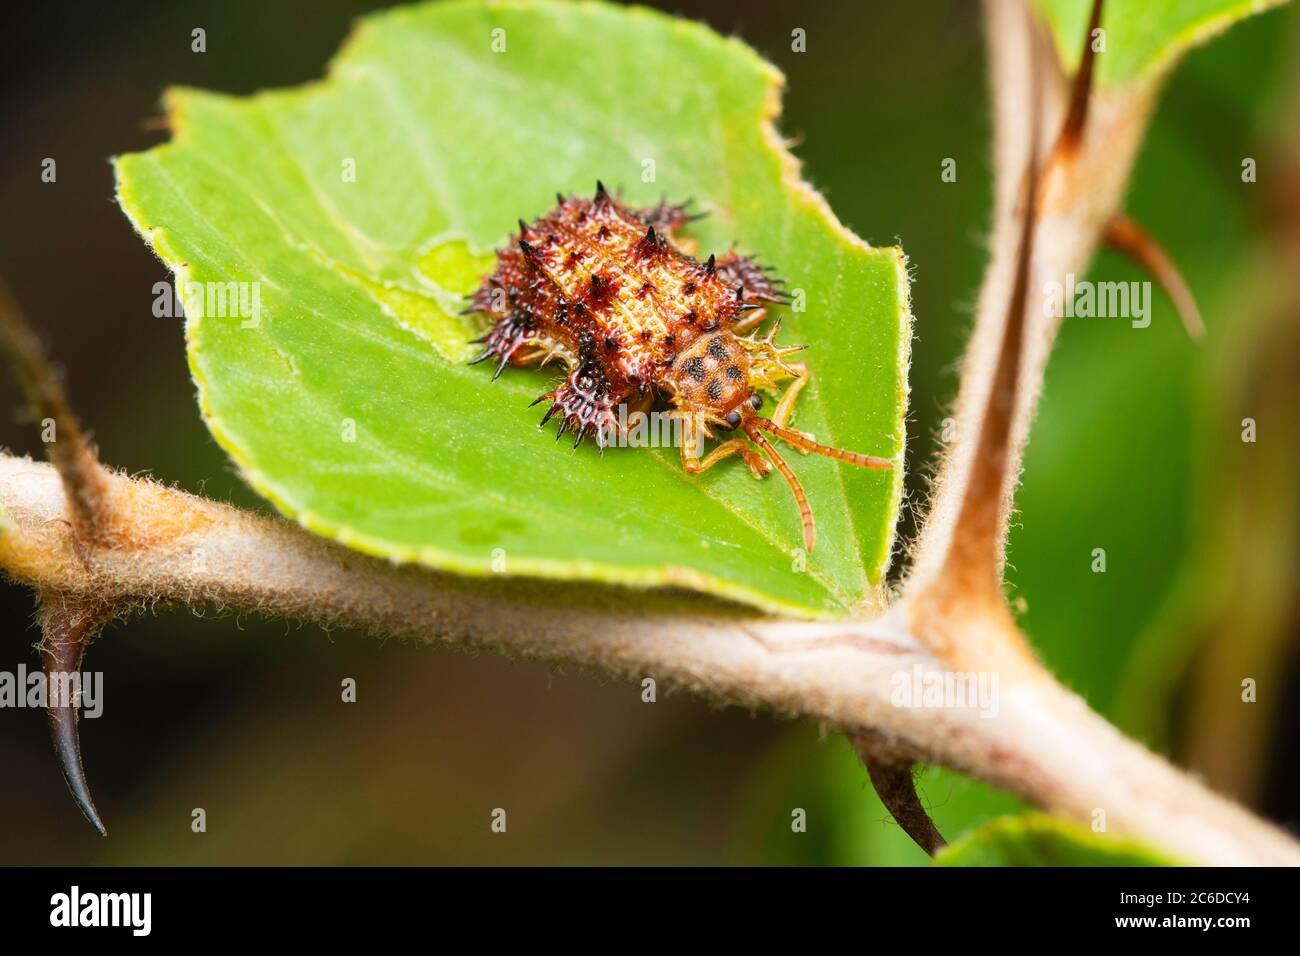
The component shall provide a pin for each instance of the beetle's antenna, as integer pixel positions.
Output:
(804, 443)
(751, 427)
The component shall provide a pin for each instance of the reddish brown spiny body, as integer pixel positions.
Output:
(609, 291)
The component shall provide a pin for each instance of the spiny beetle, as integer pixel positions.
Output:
(612, 292)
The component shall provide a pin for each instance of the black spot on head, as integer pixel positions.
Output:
(694, 367)
(602, 232)
(645, 289)
(690, 317)
(715, 390)
(688, 288)
(734, 373)
(645, 335)
(718, 350)
(611, 343)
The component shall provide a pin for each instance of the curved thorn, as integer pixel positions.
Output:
(1124, 235)
(891, 777)
(67, 631)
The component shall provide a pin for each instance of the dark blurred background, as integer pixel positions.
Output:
(1137, 450)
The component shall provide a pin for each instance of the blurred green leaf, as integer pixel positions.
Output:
(1040, 840)
(1142, 37)
(361, 283)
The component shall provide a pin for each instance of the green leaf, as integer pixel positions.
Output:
(1039, 840)
(1143, 37)
(361, 284)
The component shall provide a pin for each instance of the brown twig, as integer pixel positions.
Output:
(1076, 116)
(68, 625)
(83, 476)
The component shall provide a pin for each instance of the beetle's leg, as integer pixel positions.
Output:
(529, 353)
(694, 464)
(758, 465)
(752, 320)
(785, 407)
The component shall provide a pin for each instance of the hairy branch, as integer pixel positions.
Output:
(1043, 743)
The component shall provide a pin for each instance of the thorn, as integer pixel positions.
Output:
(481, 358)
(549, 412)
(523, 227)
(564, 427)
(539, 399)
(1126, 236)
(891, 778)
(581, 433)
(650, 236)
(711, 267)
(526, 248)
(559, 197)
(600, 190)
(66, 632)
